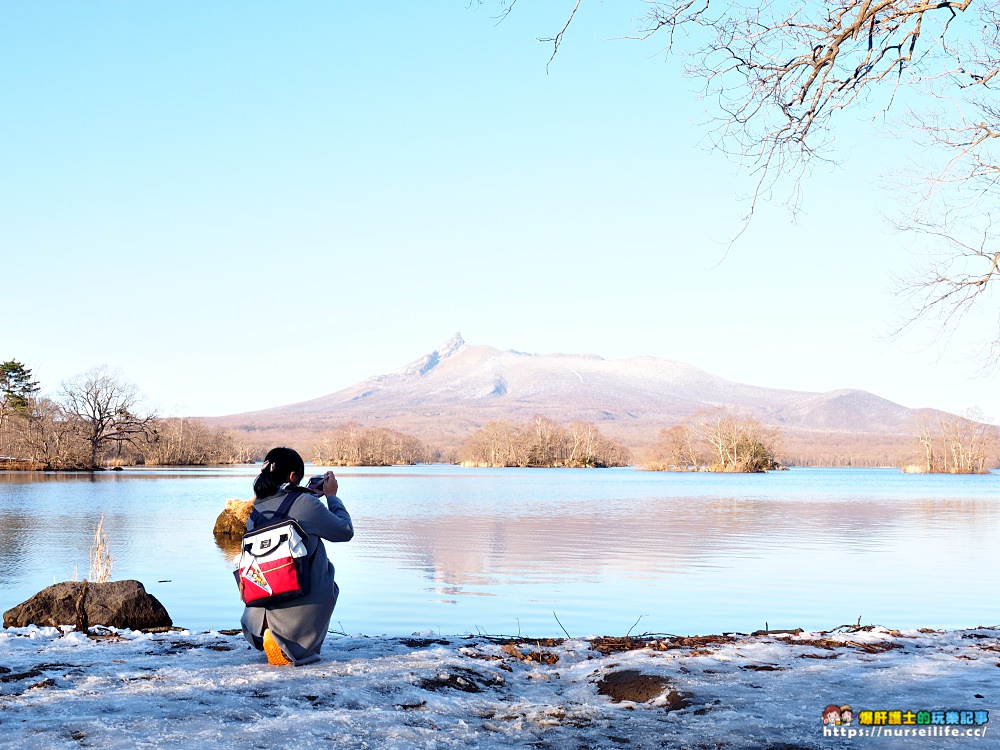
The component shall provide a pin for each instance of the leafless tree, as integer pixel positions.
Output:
(967, 441)
(740, 443)
(925, 439)
(716, 440)
(953, 444)
(542, 443)
(677, 449)
(45, 437)
(584, 445)
(105, 410)
(778, 77)
(496, 443)
(189, 442)
(353, 445)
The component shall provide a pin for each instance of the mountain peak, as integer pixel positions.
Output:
(451, 346)
(429, 361)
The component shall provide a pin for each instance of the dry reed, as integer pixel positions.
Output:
(101, 560)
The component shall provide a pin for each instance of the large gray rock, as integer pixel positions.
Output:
(117, 604)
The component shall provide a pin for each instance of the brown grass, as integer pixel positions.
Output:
(101, 561)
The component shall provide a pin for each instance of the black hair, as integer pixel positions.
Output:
(278, 464)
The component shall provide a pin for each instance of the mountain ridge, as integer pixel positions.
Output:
(448, 393)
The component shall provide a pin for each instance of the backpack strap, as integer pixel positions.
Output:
(282, 512)
(286, 504)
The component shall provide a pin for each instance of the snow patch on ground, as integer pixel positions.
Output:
(123, 689)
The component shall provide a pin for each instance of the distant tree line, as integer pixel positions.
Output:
(542, 443)
(718, 440)
(96, 420)
(889, 458)
(189, 442)
(951, 444)
(353, 445)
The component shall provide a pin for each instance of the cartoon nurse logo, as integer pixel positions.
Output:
(831, 715)
(834, 715)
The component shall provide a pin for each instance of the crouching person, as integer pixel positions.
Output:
(292, 631)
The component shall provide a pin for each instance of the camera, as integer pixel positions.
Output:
(315, 484)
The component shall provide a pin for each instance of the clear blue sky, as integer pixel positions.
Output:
(194, 193)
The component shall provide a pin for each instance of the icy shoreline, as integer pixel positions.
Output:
(124, 689)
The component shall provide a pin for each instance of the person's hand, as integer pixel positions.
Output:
(330, 484)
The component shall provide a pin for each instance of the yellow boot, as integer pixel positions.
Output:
(273, 650)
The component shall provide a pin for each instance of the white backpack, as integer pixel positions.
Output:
(274, 565)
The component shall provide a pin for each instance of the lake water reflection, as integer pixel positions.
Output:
(505, 551)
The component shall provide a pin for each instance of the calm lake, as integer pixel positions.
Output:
(506, 551)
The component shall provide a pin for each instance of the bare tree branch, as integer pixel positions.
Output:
(557, 39)
(779, 74)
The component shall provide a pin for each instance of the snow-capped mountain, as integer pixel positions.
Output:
(453, 390)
